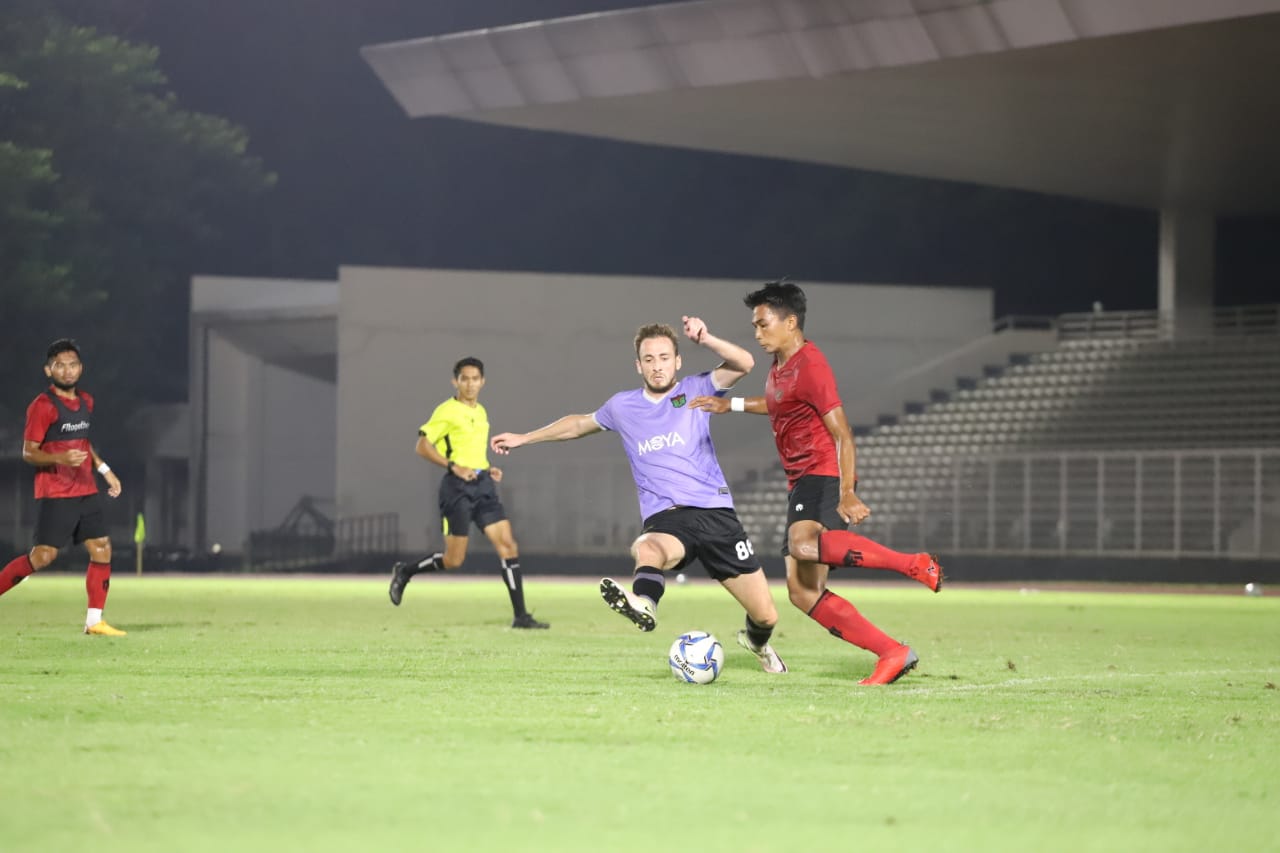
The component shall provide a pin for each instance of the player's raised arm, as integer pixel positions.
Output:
(720, 405)
(566, 428)
(735, 363)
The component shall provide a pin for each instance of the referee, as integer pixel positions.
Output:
(456, 438)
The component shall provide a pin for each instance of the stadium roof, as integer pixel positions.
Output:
(1149, 103)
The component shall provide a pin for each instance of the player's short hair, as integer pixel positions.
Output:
(469, 361)
(784, 297)
(656, 330)
(60, 346)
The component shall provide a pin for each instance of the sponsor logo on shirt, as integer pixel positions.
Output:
(659, 442)
(76, 427)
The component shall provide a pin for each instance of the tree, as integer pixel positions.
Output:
(110, 195)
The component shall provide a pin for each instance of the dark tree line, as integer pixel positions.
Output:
(111, 193)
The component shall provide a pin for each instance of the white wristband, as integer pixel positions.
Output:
(737, 404)
(104, 468)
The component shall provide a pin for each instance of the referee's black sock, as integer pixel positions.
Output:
(515, 585)
(758, 634)
(434, 563)
(649, 582)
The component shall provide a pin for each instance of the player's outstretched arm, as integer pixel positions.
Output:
(735, 363)
(720, 405)
(567, 428)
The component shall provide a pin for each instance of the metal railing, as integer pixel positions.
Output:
(1246, 320)
(1194, 503)
(313, 540)
(1151, 504)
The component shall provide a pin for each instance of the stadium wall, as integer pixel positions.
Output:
(554, 344)
(270, 437)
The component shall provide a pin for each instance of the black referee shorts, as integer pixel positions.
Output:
(463, 502)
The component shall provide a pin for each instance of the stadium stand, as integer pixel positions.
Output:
(1122, 440)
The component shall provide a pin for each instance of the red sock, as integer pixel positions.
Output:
(12, 574)
(846, 548)
(96, 582)
(844, 621)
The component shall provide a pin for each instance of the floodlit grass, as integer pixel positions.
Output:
(250, 714)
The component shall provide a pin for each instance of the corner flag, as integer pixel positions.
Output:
(139, 539)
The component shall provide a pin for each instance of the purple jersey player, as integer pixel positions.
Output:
(684, 499)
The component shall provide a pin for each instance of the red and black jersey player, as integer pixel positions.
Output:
(69, 508)
(816, 447)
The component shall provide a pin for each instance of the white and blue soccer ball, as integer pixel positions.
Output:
(696, 657)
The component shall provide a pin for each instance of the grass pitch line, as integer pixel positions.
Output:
(1086, 677)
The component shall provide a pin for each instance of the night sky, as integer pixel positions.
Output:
(360, 183)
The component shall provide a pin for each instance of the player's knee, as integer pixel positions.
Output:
(645, 553)
(802, 546)
(100, 550)
(41, 556)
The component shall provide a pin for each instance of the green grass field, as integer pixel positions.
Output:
(252, 714)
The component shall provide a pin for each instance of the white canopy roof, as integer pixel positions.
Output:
(1151, 103)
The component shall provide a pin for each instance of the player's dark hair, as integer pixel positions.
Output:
(469, 361)
(784, 297)
(60, 346)
(656, 330)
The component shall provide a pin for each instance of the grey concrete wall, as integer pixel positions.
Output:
(555, 344)
(270, 441)
(261, 435)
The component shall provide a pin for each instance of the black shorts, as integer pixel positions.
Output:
(464, 501)
(714, 536)
(815, 498)
(63, 520)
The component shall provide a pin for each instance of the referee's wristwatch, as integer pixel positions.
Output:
(449, 467)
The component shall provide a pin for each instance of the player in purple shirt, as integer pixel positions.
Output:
(684, 499)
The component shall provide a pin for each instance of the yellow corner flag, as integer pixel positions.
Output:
(139, 539)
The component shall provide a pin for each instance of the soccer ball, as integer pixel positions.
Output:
(696, 657)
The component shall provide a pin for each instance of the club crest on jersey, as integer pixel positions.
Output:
(678, 401)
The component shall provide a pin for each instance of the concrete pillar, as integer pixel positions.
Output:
(197, 399)
(1186, 273)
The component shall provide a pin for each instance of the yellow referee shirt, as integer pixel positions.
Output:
(460, 432)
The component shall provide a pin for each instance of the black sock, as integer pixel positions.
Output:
(758, 634)
(434, 563)
(650, 583)
(515, 584)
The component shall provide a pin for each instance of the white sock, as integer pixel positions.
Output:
(93, 617)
